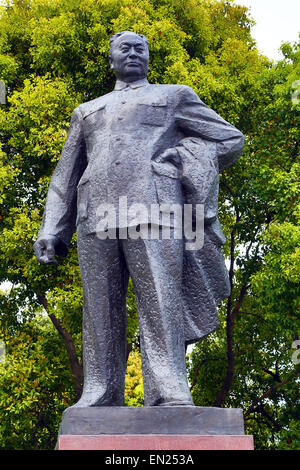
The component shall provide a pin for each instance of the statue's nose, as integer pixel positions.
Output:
(132, 52)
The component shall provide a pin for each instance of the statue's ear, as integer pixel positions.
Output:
(111, 63)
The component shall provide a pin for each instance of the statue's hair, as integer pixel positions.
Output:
(117, 35)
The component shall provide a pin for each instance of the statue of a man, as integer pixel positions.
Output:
(148, 145)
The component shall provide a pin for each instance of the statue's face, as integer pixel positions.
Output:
(129, 57)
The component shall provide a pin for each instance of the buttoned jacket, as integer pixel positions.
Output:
(114, 149)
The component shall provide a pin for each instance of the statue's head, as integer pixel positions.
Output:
(129, 56)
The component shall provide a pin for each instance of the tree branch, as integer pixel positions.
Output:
(271, 422)
(230, 318)
(267, 394)
(198, 369)
(76, 368)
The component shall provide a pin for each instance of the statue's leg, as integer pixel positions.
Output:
(156, 270)
(105, 280)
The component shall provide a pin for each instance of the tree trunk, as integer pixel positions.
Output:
(76, 367)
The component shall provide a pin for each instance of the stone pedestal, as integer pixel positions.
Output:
(153, 428)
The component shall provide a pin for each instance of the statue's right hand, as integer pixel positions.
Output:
(45, 249)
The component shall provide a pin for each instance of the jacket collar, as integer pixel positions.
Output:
(120, 85)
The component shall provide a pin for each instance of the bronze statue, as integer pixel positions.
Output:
(146, 145)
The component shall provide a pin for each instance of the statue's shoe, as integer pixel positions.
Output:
(97, 399)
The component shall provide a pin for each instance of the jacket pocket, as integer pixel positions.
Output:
(153, 113)
(82, 201)
(168, 189)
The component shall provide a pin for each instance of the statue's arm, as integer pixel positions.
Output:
(59, 218)
(196, 119)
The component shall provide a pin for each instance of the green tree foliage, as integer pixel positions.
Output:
(53, 56)
(134, 392)
(36, 386)
(251, 351)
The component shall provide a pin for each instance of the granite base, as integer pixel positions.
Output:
(155, 442)
(153, 428)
